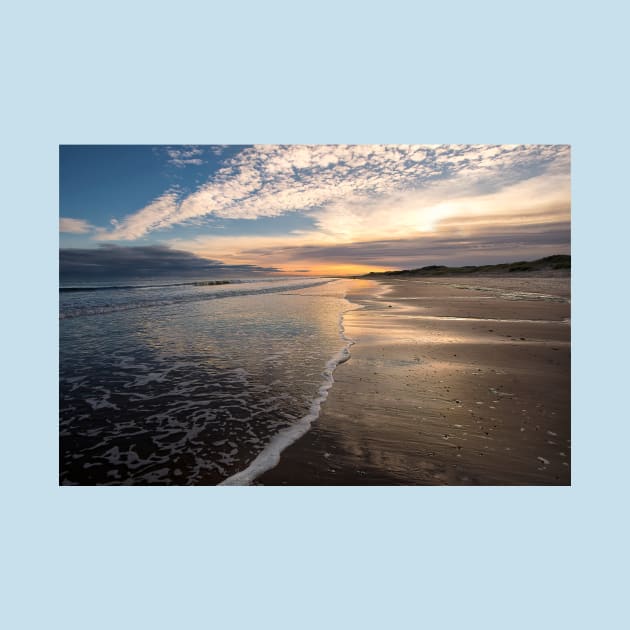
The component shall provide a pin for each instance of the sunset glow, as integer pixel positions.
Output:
(316, 209)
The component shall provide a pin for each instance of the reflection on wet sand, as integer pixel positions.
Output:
(465, 385)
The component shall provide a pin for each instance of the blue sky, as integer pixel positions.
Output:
(315, 208)
(99, 184)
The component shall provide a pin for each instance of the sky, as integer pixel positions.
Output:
(247, 210)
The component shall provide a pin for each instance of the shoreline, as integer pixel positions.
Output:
(451, 381)
(269, 458)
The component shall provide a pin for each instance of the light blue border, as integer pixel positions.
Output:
(191, 72)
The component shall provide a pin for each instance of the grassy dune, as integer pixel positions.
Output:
(557, 262)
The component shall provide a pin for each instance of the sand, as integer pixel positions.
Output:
(461, 381)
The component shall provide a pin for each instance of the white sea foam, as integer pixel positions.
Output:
(270, 456)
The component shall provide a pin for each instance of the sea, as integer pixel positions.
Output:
(191, 382)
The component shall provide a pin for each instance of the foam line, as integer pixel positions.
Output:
(270, 456)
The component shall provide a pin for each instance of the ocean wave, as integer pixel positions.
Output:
(82, 310)
(127, 287)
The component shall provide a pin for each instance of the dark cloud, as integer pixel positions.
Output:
(497, 244)
(114, 261)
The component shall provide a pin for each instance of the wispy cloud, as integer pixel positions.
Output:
(328, 181)
(74, 226)
(158, 214)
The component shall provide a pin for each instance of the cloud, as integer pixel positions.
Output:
(500, 243)
(114, 261)
(353, 230)
(74, 226)
(445, 204)
(158, 214)
(184, 156)
(501, 246)
(271, 180)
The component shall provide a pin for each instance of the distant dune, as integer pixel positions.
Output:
(556, 263)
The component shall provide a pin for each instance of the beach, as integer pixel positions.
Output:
(451, 381)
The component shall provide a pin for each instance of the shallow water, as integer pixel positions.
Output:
(189, 385)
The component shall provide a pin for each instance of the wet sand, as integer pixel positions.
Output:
(461, 381)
